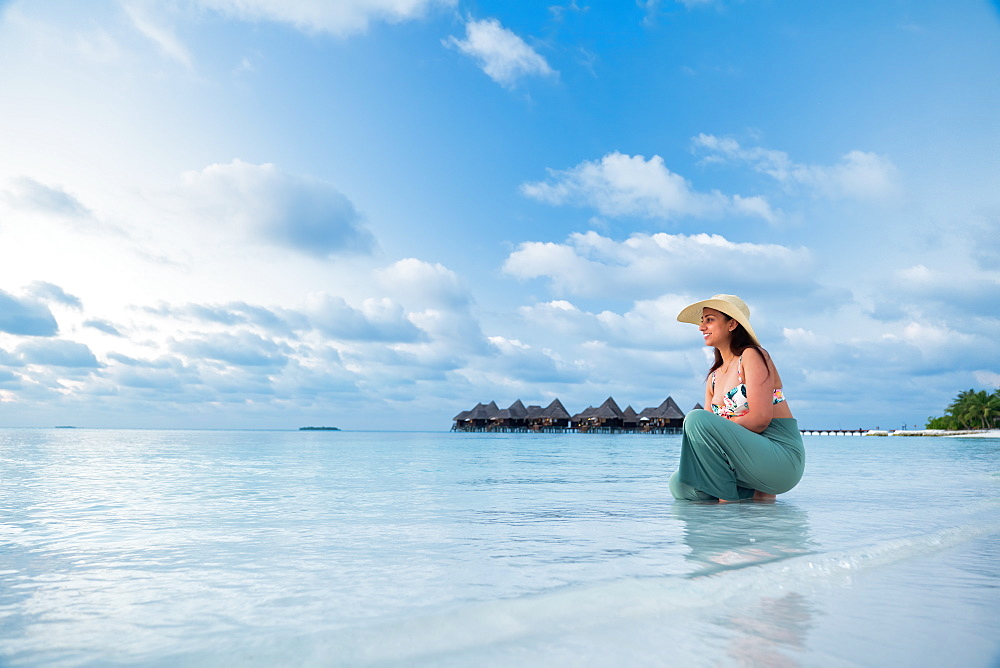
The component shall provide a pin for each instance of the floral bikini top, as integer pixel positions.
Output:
(735, 403)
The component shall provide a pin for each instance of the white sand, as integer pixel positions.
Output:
(971, 433)
(989, 433)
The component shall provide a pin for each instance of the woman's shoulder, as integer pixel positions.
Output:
(754, 356)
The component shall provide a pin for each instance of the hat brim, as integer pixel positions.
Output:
(692, 314)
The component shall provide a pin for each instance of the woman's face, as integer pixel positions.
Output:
(716, 328)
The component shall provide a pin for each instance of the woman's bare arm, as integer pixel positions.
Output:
(760, 392)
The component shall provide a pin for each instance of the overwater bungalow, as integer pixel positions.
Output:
(513, 418)
(608, 417)
(477, 419)
(553, 417)
(666, 416)
(630, 419)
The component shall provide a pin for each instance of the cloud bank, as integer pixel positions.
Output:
(589, 264)
(621, 185)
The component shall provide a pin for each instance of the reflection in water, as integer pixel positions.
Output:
(743, 535)
(736, 535)
(767, 628)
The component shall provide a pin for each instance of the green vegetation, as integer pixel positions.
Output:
(970, 410)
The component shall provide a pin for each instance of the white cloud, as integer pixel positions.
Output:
(57, 353)
(28, 194)
(859, 174)
(957, 290)
(649, 325)
(26, 317)
(988, 378)
(518, 364)
(421, 283)
(591, 265)
(376, 320)
(152, 27)
(624, 185)
(338, 17)
(297, 212)
(503, 55)
(237, 349)
(47, 292)
(932, 337)
(799, 336)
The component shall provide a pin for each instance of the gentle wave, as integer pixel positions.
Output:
(470, 628)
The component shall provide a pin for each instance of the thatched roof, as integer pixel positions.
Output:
(668, 410)
(608, 410)
(483, 412)
(517, 410)
(698, 407)
(555, 411)
(671, 410)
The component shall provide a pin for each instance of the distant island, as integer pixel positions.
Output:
(319, 428)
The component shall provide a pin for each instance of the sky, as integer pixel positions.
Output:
(374, 214)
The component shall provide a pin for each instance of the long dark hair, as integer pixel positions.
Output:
(738, 342)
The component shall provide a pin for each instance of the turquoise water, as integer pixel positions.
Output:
(265, 548)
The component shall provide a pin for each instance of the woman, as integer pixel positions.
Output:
(748, 445)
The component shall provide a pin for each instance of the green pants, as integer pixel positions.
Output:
(722, 460)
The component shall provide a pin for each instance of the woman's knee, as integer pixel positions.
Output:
(685, 492)
(696, 419)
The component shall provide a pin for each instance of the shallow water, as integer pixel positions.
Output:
(364, 548)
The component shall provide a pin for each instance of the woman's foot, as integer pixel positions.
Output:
(762, 496)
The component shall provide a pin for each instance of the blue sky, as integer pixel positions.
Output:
(376, 213)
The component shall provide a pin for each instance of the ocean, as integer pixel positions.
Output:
(282, 548)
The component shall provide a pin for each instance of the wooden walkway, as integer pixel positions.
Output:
(567, 430)
(834, 432)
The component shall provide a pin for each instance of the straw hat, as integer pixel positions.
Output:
(731, 305)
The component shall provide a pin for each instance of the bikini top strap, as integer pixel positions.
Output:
(739, 369)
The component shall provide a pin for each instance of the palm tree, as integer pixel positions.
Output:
(970, 410)
(981, 409)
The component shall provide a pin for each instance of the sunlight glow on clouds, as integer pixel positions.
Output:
(503, 55)
(622, 185)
